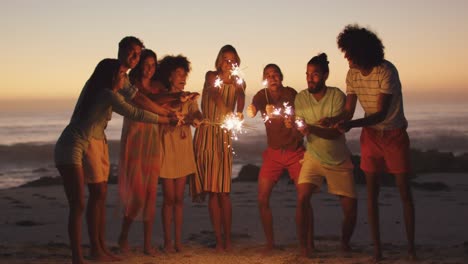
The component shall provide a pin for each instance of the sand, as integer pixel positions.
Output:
(33, 227)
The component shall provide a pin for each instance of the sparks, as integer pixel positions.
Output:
(218, 82)
(237, 73)
(277, 112)
(299, 122)
(266, 118)
(233, 124)
(288, 110)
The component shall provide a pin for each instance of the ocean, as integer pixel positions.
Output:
(27, 137)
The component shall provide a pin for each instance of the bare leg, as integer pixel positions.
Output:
(179, 207)
(215, 216)
(131, 211)
(167, 212)
(149, 212)
(408, 211)
(349, 206)
(265, 186)
(226, 207)
(123, 237)
(96, 221)
(73, 183)
(304, 219)
(373, 187)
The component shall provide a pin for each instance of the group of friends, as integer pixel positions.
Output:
(157, 142)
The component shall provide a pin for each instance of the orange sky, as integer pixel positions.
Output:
(49, 48)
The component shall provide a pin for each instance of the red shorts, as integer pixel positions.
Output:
(385, 151)
(275, 161)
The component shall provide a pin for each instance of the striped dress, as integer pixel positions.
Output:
(212, 145)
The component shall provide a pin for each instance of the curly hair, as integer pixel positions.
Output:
(136, 73)
(320, 60)
(362, 46)
(167, 65)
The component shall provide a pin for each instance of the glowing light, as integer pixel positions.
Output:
(277, 112)
(237, 73)
(233, 124)
(218, 82)
(265, 83)
(288, 110)
(300, 123)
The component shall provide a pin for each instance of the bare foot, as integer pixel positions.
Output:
(79, 260)
(123, 245)
(111, 255)
(150, 251)
(228, 246)
(307, 252)
(219, 248)
(412, 256)
(101, 256)
(169, 249)
(178, 247)
(377, 258)
(345, 247)
(267, 249)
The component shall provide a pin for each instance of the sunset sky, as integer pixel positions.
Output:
(49, 48)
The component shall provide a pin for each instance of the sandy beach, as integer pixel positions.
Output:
(33, 227)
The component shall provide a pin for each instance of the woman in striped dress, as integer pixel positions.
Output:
(212, 144)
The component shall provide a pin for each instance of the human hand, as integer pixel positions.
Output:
(173, 120)
(251, 111)
(326, 122)
(194, 96)
(184, 97)
(180, 117)
(240, 116)
(196, 123)
(301, 125)
(343, 126)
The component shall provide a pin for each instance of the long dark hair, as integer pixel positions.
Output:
(136, 73)
(102, 78)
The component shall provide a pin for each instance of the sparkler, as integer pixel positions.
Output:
(218, 82)
(233, 124)
(300, 123)
(235, 72)
(275, 112)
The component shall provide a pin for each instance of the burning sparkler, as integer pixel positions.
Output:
(275, 112)
(233, 124)
(300, 123)
(218, 82)
(235, 72)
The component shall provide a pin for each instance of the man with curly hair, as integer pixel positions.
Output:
(384, 140)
